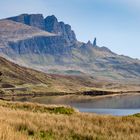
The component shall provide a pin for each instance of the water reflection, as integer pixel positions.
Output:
(115, 102)
(115, 105)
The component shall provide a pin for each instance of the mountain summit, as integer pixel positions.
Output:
(51, 46)
(49, 24)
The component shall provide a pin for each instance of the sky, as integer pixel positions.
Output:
(115, 23)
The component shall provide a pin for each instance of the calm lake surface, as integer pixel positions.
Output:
(118, 105)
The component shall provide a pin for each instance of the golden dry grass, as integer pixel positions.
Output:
(18, 124)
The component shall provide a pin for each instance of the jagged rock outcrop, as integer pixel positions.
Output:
(89, 44)
(18, 40)
(49, 24)
(52, 25)
(35, 20)
(16, 33)
(95, 42)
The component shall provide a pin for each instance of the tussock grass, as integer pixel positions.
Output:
(24, 125)
(38, 108)
(136, 115)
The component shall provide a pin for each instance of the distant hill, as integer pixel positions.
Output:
(13, 76)
(51, 46)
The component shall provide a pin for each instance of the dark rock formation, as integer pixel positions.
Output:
(49, 24)
(40, 45)
(95, 42)
(89, 44)
(35, 20)
(52, 25)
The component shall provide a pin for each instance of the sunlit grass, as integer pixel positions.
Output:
(16, 123)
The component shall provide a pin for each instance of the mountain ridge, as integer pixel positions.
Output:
(62, 53)
(49, 24)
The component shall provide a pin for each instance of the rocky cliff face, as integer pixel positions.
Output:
(18, 40)
(35, 20)
(49, 24)
(52, 25)
(40, 45)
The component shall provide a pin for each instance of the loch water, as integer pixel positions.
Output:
(119, 105)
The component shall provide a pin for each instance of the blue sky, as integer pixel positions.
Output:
(115, 23)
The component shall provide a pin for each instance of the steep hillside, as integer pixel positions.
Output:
(59, 52)
(13, 76)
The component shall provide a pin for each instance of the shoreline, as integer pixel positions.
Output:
(87, 94)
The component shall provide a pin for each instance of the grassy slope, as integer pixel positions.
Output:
(28, 81)
(35, 81)
(25, 123)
